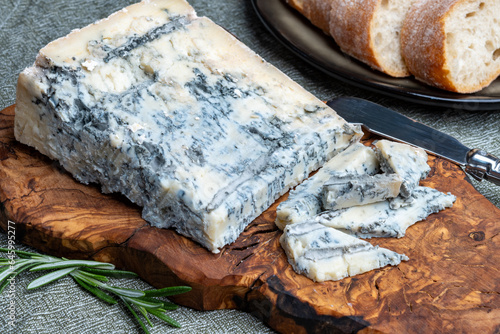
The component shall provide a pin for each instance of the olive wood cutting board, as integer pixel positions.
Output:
(451, 284)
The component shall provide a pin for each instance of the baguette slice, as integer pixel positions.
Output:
(453, 44)
(317, 11)
(369, 30)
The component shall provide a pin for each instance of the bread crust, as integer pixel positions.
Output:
(423, 38)
(424, 47)
(297, 4)
(350, 26)
(423, 42)
(319, 12)
(350, 23)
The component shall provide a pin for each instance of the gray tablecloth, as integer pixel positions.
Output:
(28, 25)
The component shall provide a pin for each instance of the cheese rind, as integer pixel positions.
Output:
(179, 116)
(305, 200)
(389, 218)
(407, 161)
(365, 189)
(323, 253)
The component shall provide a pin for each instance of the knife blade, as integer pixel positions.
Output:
(392, 125)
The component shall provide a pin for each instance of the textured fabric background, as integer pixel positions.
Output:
(28, 25)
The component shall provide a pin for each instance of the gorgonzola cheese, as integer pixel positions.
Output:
(339, 193)
(323, 253)
(407, 161)
(389, 218)
(305, 200)
(175, 113)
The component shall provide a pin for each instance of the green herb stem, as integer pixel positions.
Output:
(92, 276)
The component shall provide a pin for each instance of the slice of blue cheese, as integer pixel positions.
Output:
(407, 161)
(305, 200)
(340, 193)
(323, 253)
(389, 218)
(172, 111)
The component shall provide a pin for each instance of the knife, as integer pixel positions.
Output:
(390, 124)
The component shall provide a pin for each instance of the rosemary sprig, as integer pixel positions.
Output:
(93, 277)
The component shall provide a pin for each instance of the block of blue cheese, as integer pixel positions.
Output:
(305, 200)
(172, 111)
(323, 253)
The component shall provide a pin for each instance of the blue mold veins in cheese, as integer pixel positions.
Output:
(388, 218)
(172, 111)
(306, 199)
(323, 253)
(407, 161)
(346, 200)
(339, 193)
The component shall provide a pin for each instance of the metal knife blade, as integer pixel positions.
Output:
(390, 124)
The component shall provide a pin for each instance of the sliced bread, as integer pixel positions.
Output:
(317, 11)
(365, 29)
(369, 31)
(453, 44)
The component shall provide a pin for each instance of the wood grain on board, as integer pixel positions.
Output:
(451, 284)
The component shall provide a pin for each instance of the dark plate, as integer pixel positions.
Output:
(319, 50)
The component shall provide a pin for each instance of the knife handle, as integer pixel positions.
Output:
(483, 166)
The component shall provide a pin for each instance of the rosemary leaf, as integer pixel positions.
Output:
(164, 317)
(111, 272)
(98, 293)
(46, 258)
(94, 276)
(170, 291)
(124, 292)
(73, 263)
(13, 273)
(145, 315)
(136, 316)
(24, 256)
(170, 306)
(3, 285)
(18, 266)
(18, 252)
(89, 280)
(166, 305)
(4, 262)
(6, 273)
(144, 303)
(50, 277)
